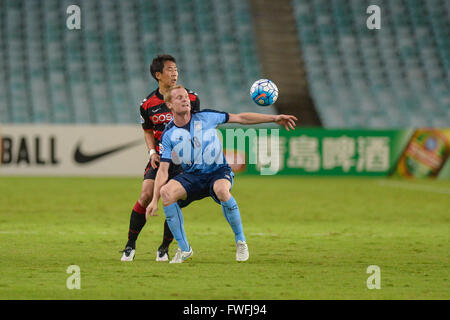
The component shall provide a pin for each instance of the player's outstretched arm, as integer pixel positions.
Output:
(287, 121)
(161, 179)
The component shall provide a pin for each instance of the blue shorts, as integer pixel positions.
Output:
(199, 186)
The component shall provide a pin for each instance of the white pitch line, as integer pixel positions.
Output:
(414, 187)
(262, 234)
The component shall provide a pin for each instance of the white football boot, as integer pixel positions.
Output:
(128, 254)
(162, 255)
(182, 256)
(241, 251)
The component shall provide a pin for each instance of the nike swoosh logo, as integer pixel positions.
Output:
(83, 158)
(261, 95)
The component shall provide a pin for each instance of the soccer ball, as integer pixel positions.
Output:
(264, 92)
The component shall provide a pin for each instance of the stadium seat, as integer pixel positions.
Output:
(101, 75)
(389, 74)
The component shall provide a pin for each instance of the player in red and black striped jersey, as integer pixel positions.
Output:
(154, 117)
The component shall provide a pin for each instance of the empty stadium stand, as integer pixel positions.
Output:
(100, 74)
(395, 77)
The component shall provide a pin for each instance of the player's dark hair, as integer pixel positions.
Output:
(158, 64)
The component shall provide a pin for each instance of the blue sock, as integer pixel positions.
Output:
(231, 212)
(175, 221)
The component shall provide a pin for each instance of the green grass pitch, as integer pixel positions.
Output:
(309, 238)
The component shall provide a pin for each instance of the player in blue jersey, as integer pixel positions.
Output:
(191, 140)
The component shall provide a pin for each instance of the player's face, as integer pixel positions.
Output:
(169, 75)
(180, 101)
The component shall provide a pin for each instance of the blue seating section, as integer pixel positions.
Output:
(395, 77)
(100, 74)
(390, 78)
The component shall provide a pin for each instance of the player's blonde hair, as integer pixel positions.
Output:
(168, 94)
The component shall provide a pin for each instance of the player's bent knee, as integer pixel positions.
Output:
(172, 192)
(147, 193)
(222, 193)
(145, 198)
(167, 195)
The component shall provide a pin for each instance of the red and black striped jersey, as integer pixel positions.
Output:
(155, 114)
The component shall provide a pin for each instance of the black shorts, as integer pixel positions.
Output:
(150, 173)
(199, 186)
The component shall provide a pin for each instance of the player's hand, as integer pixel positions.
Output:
(286, 121)
(151, 210)
(154, 160)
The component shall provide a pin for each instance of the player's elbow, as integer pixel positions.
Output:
(236, 118)
(247, 118)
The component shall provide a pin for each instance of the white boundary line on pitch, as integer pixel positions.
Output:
(414, 187)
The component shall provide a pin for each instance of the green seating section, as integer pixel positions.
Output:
(397, 76)
(100, 74)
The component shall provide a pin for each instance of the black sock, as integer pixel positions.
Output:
(167, 237)
(137, 222)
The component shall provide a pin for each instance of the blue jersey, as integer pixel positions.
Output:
(195, 146)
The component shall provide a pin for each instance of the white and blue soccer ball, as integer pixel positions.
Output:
(264, 92)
